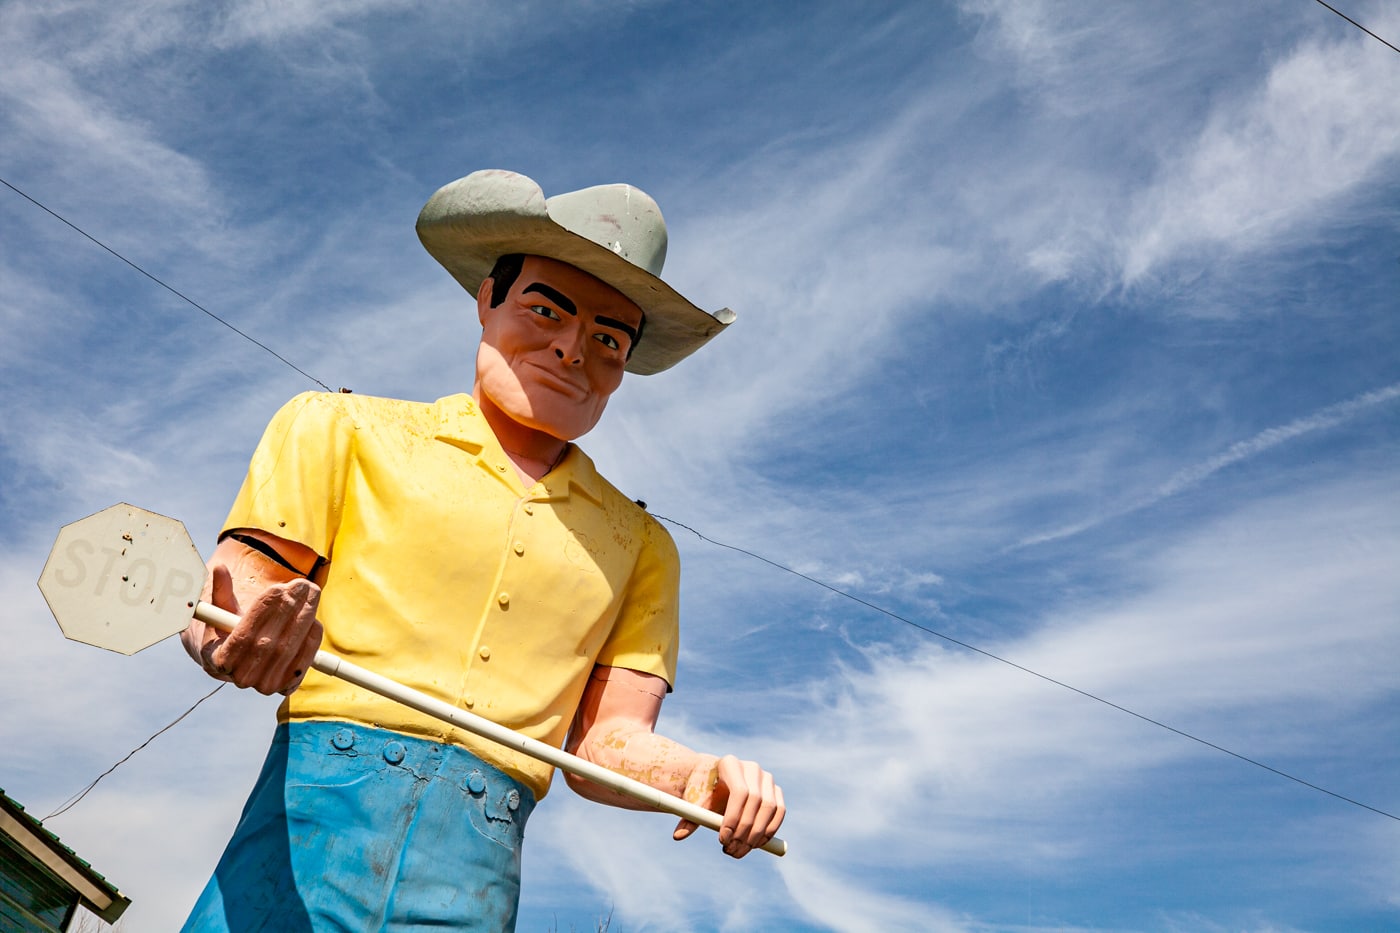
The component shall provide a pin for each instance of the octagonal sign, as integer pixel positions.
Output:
(122, 579)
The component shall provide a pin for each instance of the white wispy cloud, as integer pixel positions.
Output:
(1320, 124)
(62, 126)
(1264, 441)
(1150, 187)
(262, 22)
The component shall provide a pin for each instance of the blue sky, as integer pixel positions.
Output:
(1066, 330)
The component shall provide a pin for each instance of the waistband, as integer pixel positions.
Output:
(505, 802)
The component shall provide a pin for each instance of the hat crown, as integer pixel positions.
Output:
(621, 219)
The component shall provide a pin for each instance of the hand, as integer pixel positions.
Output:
(750, 801)
(275, 641)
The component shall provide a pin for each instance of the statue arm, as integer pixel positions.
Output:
(615, 727)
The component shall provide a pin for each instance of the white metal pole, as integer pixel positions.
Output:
(334, 666)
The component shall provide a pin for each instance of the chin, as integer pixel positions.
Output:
(567, 424)
(565, 428)
(566, 431)
(545, 411)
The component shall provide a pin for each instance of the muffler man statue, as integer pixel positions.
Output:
(468, 549)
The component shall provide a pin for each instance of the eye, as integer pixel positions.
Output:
(608, 340)
(545, 311)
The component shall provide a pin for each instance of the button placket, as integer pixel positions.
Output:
(518, 538)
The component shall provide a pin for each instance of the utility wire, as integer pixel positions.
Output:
(1356, 24)
(73, 801)
(840, 592)
(1059, 683)
(162, 284)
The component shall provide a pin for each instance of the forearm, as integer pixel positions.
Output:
(644, 756)
(615, 728)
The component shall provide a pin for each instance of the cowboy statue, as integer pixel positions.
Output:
(468, 549)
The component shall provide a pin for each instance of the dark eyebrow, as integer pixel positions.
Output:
(554, 295)
(627, 329)
(565, 302)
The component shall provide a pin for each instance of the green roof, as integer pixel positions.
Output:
(58, 863)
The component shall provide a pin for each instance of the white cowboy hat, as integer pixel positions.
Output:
(613, 232)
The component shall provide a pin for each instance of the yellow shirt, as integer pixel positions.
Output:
(448, 575)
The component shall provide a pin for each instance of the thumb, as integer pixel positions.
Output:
(683, 829)
(220, 591)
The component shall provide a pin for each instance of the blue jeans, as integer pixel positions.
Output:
(352, 828)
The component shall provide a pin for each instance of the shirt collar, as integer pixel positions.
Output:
(459, 423)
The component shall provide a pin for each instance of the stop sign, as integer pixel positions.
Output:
(122, 579)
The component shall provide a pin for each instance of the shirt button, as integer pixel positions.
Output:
(529, 509)
(500, 467)
(504, 600)
(485, 653)
(468, 701)
(519, 547)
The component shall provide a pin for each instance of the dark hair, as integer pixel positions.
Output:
(641, 326)
(507, 270)
(503, 276)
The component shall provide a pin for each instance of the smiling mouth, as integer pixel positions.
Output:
(558, 382)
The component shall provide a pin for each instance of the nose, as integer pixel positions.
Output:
(568, 345)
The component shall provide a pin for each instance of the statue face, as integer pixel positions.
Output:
(552, 353)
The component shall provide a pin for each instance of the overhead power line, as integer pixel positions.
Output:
(181, 295)
(755, 556)
(73, 801)
(1358, 25)
(1045, 677)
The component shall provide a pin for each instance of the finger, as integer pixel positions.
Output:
(745, 780)
(759, 831)
(280, 649)
(747, 806)
(207, 658)
(683, 829)
(271, 633)
(224, 649)
(731, 782)
(218, 590)
(289, 656)
(775, 821)
(307, 656)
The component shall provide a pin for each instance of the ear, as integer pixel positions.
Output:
(483, 299)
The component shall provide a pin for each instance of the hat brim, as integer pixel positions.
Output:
(469, 224)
